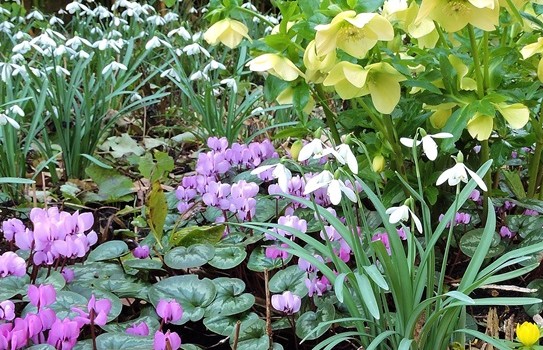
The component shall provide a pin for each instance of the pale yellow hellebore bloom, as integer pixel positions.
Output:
(463, 82)
(442, 113)
(380, 80)
(353, 33)
(286, 97)
(228, 32)
(453, 15)
(276, 65)
(317, 66)
(516, 115)
(532, 49)
(423, 30)
(480, 126)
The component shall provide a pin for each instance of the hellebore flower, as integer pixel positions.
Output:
(380, 80)
(317, 66)
(276, 65)
(42, 296)
(428, 144)
(169, 310)
(453, 15)
(228, 32)
(353, 33)
(402, 213)
(528, 333)
(458, 173)
(287, 302)
(167, 341)
(532, 49)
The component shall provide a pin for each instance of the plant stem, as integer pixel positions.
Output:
(330, 116)
(533, 168)
(255, 14)
(476, 62)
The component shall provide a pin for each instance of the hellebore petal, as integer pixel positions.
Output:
(517, 114)
(480, 126)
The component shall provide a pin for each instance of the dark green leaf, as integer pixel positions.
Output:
(187, 257)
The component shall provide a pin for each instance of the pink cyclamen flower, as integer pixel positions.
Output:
(7, 310)
(317, 285)
(275, 252)
(166, 341)
(68, 274)
(11, 227)
(169, 310)
(287, 302)
(97, 312)
(63, 334)
(12, 264)
(138, 329)
(141, 251)
(42, 296)
(506, 232)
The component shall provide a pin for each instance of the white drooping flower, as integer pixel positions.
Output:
(113, 67)
(402, 213)
(428, 144)
(4, 119)
(342, 153)
(459, 173)
(334, 187)
(280, 172)
(155, 42)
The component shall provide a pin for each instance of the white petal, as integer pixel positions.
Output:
(408, 142)
(441, 135)
(308, 150)
(262, 169)
(430, 147)
(334, 192)
(418, 224)
(348, 192)
(319, 181)
(400, 214)
(444, 176)
(477, 179)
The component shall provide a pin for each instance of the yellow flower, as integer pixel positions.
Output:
(227, 31)
(276, 65)
(442, 113)
(380, 80)
(378, 163)
(286, 97)
(353, 33)
(528, 333)
(463, 82)
(480, 126)
(532, 49)
(423, 30)
(453, 15)
(516, 115)
(317, 66)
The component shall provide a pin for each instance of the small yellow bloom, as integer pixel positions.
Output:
(227, 31)
(378, 163)
(380, 80)
(317, 66)
(480, 126)
(353, 33)
(453, 15)
(528, 333)
(532, 49)
(276, 65)
(286, 97)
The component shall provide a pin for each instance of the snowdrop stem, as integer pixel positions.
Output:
(447, 247)
(485, 156)
(330, 116)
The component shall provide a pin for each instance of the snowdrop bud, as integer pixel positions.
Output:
(378, 163)
(460, 157)
(318, 133)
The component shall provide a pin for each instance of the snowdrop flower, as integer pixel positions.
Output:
(194, 49)
(428, 144)
(459, 172)
(231, 83)
(342, 153)
(156, 42)
(6, 27)
(37, 15)
(280, 172)
(199, 75)
(335, 187)
(135, 97)
(54, 20)
(213, 65)
(249, 6)
(4, 119)
(76, 42)
(402, 213)
(113, 67)
(181, 31)
(102, 12)
(170, 73)
(22, 47)
(17, 110)
(75, 6)
(156, 20)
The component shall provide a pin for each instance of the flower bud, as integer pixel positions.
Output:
(295, 149)
(317, 134)
(378, 164)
